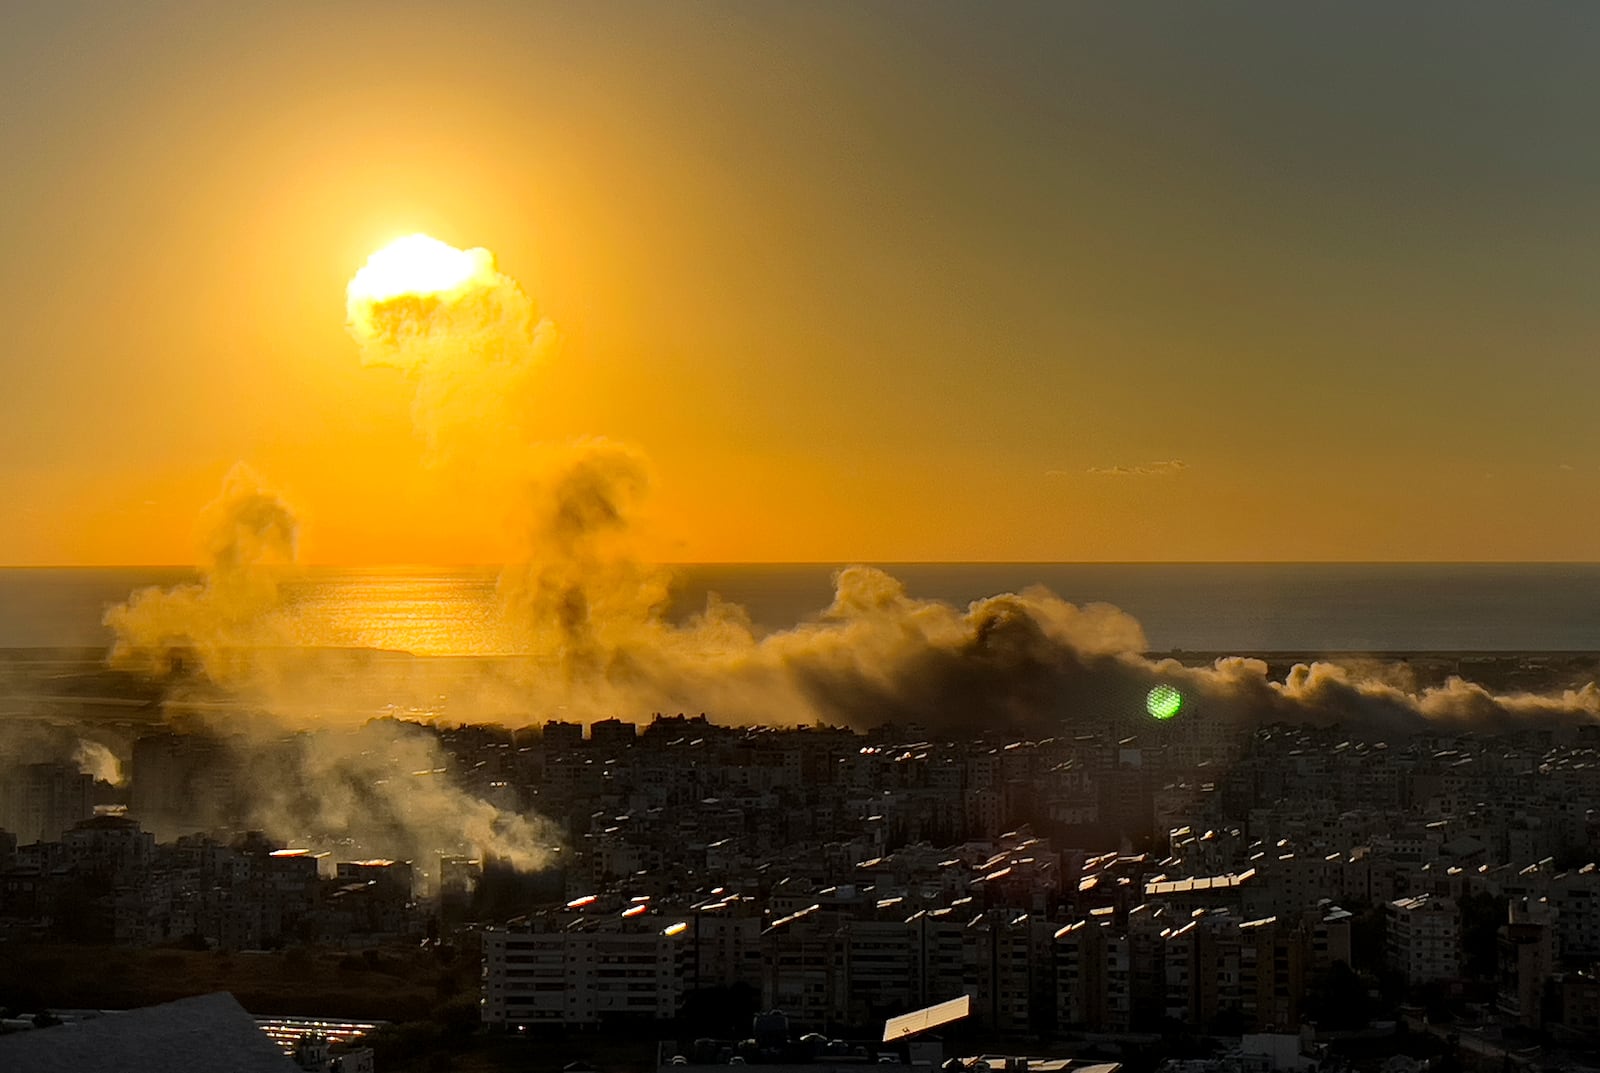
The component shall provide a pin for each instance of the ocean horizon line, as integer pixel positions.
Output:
(1200, 606)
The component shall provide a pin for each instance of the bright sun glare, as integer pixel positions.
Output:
(416, 264)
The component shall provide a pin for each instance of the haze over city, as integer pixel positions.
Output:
(625, 537)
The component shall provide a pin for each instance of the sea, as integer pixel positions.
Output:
(1194, 607)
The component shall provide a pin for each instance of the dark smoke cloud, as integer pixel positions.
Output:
(1032, 663)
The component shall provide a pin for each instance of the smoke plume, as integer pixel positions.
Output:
(97, 759)
(91, 749)
(248, 533)
(245, 666)
(581, 595)
(381, 788)
(468, 337)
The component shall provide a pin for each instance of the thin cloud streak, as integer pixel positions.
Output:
(1167, 468)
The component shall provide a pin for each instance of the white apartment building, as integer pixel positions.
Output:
(1424, 938)
(583, 971)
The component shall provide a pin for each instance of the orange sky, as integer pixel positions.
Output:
(861, 287)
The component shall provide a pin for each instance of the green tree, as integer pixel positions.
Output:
(1338, 998)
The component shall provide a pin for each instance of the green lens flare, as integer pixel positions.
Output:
(1163, 702)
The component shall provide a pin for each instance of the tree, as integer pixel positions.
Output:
(1338, 998)
(725, 1011)
(1368, 933)
(1481, 918)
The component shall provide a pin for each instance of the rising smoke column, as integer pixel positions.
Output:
(248, 534)
(381, 788)
(90, 748)
(468, 337)
(301, 772)
(582, 597)
(577, 597)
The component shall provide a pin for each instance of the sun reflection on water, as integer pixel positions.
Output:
(423, 612)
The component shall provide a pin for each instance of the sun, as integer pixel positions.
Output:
(416, 264)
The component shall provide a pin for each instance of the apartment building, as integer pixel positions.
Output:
(580, 970)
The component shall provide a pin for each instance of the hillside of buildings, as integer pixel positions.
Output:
(1138, 895)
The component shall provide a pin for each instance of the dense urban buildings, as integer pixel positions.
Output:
(1185, 876)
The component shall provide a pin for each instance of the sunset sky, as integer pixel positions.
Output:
(863, 282)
